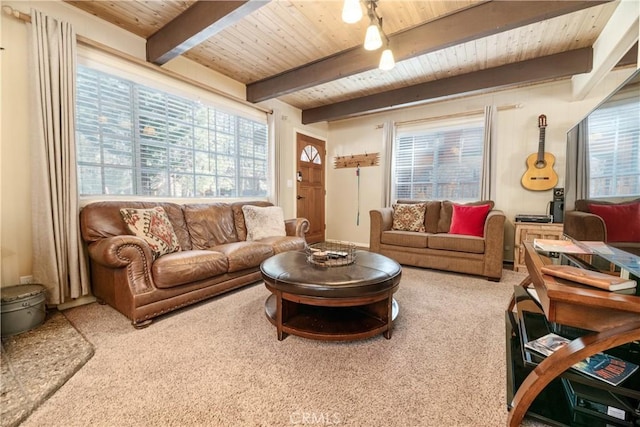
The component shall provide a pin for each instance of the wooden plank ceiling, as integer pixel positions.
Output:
(301, 52)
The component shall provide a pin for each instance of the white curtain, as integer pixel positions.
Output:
(274, 142)
(388, 136)
(488, 181)
(59, 261)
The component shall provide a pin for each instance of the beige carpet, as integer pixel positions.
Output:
(36, 363)
(219, 363)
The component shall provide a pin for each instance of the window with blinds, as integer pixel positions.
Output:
(614, 149)
(138, 140)
(439, 162)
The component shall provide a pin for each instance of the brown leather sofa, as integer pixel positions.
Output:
(438, 249)
(214, 257)
(582, 224)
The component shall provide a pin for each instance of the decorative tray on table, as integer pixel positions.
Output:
(331, 253)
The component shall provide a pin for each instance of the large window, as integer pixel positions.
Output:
(614, 149)
(138, 140)
(442, 161)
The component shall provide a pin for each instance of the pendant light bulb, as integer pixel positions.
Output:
(372, 39)
(351, 11)
(386, 60)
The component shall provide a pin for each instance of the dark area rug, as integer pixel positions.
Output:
(36, 363)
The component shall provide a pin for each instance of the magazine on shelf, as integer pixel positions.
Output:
(596, 279)
(559, 246)
(602, 366)
(547, 344)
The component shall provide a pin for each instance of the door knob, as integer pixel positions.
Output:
(299, 197)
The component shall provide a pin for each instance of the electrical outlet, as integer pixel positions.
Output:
(26, 280)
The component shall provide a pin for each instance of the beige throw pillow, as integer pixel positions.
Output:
(154, 227)
(263, 222)
(409, 217)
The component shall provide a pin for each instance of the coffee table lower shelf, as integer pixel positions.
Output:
(342, 321)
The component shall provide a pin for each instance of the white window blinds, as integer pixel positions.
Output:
(135, 139)
(439, 160)
(614, 149)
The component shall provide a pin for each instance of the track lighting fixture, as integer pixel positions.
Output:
(352, 13)
(386, 60)
(372, 40)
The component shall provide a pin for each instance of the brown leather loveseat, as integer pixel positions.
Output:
(214, 257)
(435, 246)
(617, 224)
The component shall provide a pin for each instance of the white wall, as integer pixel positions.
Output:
(517, 136)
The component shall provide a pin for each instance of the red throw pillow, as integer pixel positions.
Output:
(469, 220)
(622, 220)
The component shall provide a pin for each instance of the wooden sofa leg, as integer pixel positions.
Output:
(143, 324)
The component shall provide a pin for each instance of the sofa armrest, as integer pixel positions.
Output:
(381, 220)
(584, 226)
(493, 244)
(297, 227)
(130, 252)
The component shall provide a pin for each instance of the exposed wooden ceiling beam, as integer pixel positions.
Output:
(475, 22)
(196, 24)
(629, 58)
(538, 69)
(617, 37)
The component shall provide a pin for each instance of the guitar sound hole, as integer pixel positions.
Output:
(541, 165)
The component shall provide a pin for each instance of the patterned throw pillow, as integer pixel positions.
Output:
(409, 217)
(154, 227)
(263, 222)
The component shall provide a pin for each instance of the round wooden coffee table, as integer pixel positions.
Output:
(339, 303)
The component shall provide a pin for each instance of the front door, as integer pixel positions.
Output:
(310, 185)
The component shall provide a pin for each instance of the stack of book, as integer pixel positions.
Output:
(588, 277)
(559, 246)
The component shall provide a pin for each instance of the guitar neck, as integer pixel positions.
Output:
(541, 144)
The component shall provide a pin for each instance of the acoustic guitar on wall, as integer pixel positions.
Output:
(540, 175)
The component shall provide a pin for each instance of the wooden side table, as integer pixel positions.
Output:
(526, 232)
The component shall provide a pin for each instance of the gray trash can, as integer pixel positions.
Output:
(23, 308)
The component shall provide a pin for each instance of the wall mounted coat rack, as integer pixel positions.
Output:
(355, 160)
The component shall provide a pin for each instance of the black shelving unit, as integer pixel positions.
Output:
(555, 405)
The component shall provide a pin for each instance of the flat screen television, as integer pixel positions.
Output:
(628, 91)
(613, 165)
